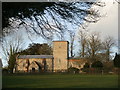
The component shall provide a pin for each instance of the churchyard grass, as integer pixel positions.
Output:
(60, 81)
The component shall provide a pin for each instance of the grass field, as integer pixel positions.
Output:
(60, 81)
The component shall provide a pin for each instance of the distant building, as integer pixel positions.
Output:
(59, 61)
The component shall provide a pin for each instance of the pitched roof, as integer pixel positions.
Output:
(34, 56)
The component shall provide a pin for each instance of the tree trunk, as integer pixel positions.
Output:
(83, 50)
(71, 51)
(108, 55)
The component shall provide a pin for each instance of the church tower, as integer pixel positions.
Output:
(60, 54)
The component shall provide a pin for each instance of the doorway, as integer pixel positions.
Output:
(33, 69)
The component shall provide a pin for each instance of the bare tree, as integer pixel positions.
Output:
(82, 40)
(108, 43)
(72, 39)
(11, 46)
(94, 44)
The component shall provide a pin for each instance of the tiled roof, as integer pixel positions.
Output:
(34, 56)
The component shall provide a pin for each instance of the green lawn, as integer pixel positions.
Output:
(60, 81)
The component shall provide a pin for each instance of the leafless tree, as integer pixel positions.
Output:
(82, 35)
(93, 44)
(72, 39)
(11, 46)
(108, 43)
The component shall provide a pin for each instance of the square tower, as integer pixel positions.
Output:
(60, 54)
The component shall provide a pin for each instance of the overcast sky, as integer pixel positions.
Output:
(108, 25)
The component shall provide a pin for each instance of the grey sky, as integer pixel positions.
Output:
(108, 25)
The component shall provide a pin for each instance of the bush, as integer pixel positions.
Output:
(86, 65)
(95, 70)
(86, 68)
(97, 64)
(97, 67)
(73, 70)
(108, 67)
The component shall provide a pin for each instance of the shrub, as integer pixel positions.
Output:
(97, 64)
(108, 66)
(86, 65)
(86, 68)
(73, 70)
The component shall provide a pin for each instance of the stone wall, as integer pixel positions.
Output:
(22, 64)
(79, 63)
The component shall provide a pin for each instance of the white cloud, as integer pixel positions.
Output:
(108, 25)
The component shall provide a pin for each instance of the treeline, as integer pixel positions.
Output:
(92, 46)
(37, 49)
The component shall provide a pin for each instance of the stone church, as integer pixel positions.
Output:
(58, 62)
